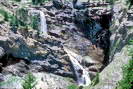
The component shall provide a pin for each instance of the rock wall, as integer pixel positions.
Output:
(121, 34)
(85, 32)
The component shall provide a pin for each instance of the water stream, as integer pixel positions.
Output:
(43, 23)
(82, 75)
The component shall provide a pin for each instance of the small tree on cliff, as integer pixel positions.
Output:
(29, 81)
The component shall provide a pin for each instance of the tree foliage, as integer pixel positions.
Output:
(34, 22)
(29, 81)
(22, 16)
(73, 86)
(127, 80)
(5, 14)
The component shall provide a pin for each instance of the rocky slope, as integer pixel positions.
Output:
(84, 32)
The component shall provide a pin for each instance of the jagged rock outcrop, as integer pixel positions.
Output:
(121, 34)
(77, 30)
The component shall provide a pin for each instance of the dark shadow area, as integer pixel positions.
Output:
(8, 59)
(96, 30)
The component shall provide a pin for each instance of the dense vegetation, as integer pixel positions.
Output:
(73, 86)
(20, 19)
(127, 80)
(17, 0)
(4, 14)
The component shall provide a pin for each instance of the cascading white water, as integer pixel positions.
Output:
(43, 24)
(82, 75)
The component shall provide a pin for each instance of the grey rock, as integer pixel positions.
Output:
(44, 81)
(58, 4)
(1, 52)
(47, 54)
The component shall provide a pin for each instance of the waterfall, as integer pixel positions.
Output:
(82, 75)
(43, 24)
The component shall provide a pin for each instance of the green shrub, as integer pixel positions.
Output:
(29, 81)
(95, 80)
(73, 86)
(14, 21)
(5, 14)
(20, 19)
(22, 16)
(34, 22)
(127, 80)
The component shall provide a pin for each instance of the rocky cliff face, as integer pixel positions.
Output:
(85, 32)
(119, 56)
